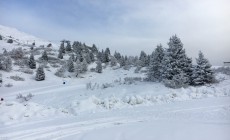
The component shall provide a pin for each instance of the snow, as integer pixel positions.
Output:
(122, 111)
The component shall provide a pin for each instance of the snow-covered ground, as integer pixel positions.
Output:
(122, 111)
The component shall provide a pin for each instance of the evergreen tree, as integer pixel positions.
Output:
(6, 63)
(99, 56)
(122, 61)
(87, 58)
(155, 66)
(175, 62)
(91, 55)
(68, 46)
(113, 61)
(0, 37)
(44, 56)
(107, 54)
(143, 59)
(94, 49)
(117, 55)
(70, 65)
(32, 63)
(84, 66)
(99, 67)
(62, 47)
(60, 55)
(40, 75)
(202, 72)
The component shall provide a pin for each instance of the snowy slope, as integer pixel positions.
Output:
(122, 111)
(21, 39)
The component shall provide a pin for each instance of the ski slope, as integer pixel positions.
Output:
(121, 111)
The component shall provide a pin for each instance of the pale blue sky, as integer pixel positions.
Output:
(128, 26)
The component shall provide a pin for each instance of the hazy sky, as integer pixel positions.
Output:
(128, 26)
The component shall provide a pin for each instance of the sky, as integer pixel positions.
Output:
(127, 26)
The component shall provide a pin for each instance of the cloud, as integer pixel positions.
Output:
(128, 26)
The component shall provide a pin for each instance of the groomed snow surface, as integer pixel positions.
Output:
(122, 111)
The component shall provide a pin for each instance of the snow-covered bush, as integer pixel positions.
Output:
(17, 78)
(106, 85)
(27, 71)
(132, 80)
(5, 63)
(17, 53)
(178, 81)
(8, 85)
(10, 41)
(60, 72)
(224, 70)
(22, 98)
(92, 86)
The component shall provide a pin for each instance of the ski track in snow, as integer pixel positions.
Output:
(72, 128)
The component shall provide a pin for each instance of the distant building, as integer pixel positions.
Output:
(226, 63)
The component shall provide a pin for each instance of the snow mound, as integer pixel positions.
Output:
(14, 111)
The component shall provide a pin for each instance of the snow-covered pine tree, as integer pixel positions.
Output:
(143, 59)
(68, 46)
(113, 61)
(72, 57)
(32, 63)
(175, 62)
(99, 67)
(91, 55)
(0, 37)
(6, 63)
(70, 65)
(40, 75)
(202, 72)
(122, 61)
(62, 47)
(99, 56)
(84, 66)
(94, 49)
(87, 58)
(117, 55)
(44, 56)
(107, 54)
(60, 55)
(155, 67)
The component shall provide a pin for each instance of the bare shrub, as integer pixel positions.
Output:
(17, 78)
(22, 98)
(8, 85)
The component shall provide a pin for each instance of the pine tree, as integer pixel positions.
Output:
(99, 67)
(113, 61)
(0, 37)
(94, 49)
(60, 55)
(143, 59)
(155, 66)
(44, 56)
(87, 58)
(99, 56)
(117, 55)
(40, 75)
(202, 72)
(84, 66)
(32, 63)
(62, 47)
(68, 46)
(91, 55)
(70, 65)
(6, 63)
(107, 54)
(175, 62)
(122, 61)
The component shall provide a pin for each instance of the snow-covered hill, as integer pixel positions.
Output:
(106, 105)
